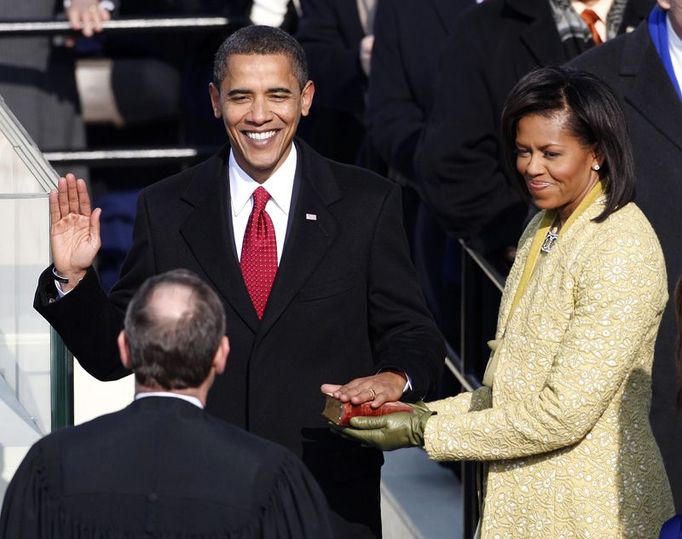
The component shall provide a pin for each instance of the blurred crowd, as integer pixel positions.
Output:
(412, 89)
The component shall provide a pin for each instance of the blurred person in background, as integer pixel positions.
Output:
(672, 529)
(644, 68)
(37, 73)
(337, 36)
(491, 48)
(408, 39)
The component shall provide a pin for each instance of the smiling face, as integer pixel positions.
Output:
(261, 103)
(557, 168)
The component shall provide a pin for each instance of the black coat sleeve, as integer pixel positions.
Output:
(86, 318)
(403, 334)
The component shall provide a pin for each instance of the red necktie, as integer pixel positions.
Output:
(259, 252)
(591, 18)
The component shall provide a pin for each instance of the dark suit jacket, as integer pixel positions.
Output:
(161, 466)
(632, 67)
(330, 33)
(409, 37)
(345, 303)
(460, 157)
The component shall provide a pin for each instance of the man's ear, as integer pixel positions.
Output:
(215, 100)
(307, 97)
(124, 350)
(220, 358)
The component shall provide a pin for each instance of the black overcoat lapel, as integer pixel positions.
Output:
(312, 231)
(213, 248)
(652, 92)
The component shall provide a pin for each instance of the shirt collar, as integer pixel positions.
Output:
(674, 41)
(189, 398)
(601, 8)
(280, 185)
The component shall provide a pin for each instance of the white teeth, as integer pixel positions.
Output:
(260, 136)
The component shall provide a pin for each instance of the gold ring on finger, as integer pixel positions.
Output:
(374, 393)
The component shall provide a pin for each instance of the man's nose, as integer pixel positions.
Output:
(260, 112)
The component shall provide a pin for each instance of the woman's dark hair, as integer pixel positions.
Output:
(593, 116)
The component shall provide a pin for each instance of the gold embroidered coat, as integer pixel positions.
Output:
(565, 427)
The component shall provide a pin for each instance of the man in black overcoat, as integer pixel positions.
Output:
(634, 69)
(344, 304)
(163, 466)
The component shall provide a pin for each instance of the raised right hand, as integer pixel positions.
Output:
(74, 230)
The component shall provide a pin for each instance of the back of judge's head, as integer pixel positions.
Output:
(173, 327)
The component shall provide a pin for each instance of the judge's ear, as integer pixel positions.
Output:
(123, 350)
(220, 358)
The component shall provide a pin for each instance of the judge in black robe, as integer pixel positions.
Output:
(163, 467)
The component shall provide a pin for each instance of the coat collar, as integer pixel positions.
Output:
(208, 233)
(311, 230)
(450, 10)
(540, 35)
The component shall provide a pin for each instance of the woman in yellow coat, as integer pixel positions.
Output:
(562, 418)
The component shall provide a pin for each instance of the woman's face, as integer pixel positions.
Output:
(557, 168)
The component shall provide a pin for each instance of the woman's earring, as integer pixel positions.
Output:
(595, 167)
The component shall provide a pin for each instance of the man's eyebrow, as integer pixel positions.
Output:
(238, 91)
(279, 91)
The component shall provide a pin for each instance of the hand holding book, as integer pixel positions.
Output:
(392, 428)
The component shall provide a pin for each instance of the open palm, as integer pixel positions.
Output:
(74, 229)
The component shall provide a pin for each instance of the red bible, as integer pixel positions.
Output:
(340, 413)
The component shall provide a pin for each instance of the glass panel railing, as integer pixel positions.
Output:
(31, 403)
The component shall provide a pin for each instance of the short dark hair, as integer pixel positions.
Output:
(261, 40)
(174, 350)
(593, 115)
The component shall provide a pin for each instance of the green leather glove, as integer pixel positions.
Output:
(391, 431)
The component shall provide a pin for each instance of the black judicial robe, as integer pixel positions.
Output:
(161, 467)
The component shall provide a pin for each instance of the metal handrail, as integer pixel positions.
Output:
(454, 364)
(490, 271)
(165, 24)
(129, 155)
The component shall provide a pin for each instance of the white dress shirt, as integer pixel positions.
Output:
(601, 8)
(280, 186)
(189, 398)
(675, 47)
